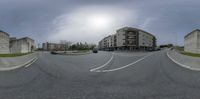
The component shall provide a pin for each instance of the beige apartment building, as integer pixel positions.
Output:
(129, 38)
(192, 42)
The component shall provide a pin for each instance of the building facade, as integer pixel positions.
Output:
(129, 38)
(23, 45)
(14, 45)
(113, 42)
(101, 45)
(53, 46)
(4, 42)
(192, 42)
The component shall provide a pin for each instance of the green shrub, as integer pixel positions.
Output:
(14, 54)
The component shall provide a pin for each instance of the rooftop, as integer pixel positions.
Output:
(4, 32)
(24, 38)
(192, 32)
(131, 28)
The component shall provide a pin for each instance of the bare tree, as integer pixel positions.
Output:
(66, 43)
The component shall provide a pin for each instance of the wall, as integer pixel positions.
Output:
(198, 43)
(190, 43)
(4, 43)
(15, 46)
(120, 36)
(145, 39)
(112, 41)
(23, 45)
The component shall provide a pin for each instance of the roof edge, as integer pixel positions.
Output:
(4, 32)
(191, 32)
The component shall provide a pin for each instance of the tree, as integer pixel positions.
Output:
(66, 44)
(92, 46)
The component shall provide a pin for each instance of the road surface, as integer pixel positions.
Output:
(69, 77)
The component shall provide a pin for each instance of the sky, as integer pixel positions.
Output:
(91, 20)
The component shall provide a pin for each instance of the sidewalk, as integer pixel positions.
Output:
(10, 63)
(189, 62)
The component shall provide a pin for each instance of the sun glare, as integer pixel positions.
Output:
(99, 21)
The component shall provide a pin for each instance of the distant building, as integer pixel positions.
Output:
(53, 46)
(4, 42)
(107, 42)
(129, 38)
(101, 45)
(22, 45)
(192, 42)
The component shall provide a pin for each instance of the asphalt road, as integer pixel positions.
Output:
(69, 77)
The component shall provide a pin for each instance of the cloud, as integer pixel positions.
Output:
(51, 20)
(76, 26)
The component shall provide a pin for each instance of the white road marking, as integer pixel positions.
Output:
(123, 66)
(94, 69)
(33, 60)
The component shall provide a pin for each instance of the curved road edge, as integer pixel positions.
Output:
(26, 64)
(181, 64)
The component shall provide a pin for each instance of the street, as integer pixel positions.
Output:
(69, 77)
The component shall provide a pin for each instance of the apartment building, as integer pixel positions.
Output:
(192, 42)
(4, 42)
(128, 38)
(113, 42)
(53, 46)
(107, 42)
(101, 45)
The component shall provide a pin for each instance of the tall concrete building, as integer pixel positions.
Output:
(4, 42)
(23, 45)
(129, 38)
(192, 42)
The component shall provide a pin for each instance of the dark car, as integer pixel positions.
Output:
(95, 51)
(53, 52)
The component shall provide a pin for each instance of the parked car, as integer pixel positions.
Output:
(95, 50)
(54, 52)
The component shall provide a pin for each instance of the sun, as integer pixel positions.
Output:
(99, 21)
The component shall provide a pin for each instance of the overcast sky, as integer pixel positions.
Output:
(91, 20)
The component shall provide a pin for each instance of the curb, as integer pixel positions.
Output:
(182, 65)
(76, 54)
(28, 63)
